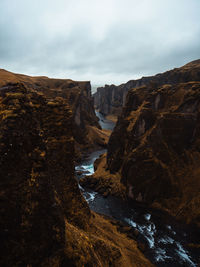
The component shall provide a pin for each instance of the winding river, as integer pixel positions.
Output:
(165, 239)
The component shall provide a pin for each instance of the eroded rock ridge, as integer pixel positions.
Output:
(111, 98)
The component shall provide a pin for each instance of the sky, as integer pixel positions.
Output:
(104, 41)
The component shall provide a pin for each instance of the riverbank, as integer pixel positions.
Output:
(102, 181)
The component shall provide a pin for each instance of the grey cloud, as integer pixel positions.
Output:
(136, 41)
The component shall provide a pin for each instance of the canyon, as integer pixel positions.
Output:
(78, 190)
(154, 148)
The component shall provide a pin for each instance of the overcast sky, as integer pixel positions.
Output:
(104, 41)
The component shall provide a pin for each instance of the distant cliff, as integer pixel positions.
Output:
(111, 98)
(155, 144)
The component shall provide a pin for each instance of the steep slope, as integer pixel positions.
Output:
(34, 182)
(77, 95)
(155, 146)
(45, 220)
(111, 99)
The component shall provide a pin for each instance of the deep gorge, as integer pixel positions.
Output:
(78, 189)
(161, 237)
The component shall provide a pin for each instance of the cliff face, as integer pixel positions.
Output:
(76, 94)
(111, 99)
(155, 147)
(37, 183)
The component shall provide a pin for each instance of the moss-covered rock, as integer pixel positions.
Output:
(76, 94)
(38, 189)
(155, 147)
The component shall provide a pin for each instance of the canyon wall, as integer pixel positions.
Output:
(38, 189)
(76, 94)
(111, 98)
(155, 144)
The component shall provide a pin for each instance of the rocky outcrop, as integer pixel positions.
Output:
(37, 183)
(45, 220)
(110, 99)
(103, 181)
(76, 94)
(155, 146)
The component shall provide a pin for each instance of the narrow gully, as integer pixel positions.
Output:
(164, 238)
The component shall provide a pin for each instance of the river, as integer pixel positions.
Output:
(165, 239)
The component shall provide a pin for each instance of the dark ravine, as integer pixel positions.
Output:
(154, 149)
(149, 173)
(165, 241)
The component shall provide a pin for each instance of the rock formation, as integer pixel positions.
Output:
(77, 95)
(45, 220)
(155, 144)
(36, 172)
(103, 181)
(110, 99)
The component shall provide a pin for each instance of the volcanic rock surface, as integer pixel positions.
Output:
(155, 145)
(45, 220)
(37, 183)
(111, 98)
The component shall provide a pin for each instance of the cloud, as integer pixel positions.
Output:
(107, 41)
